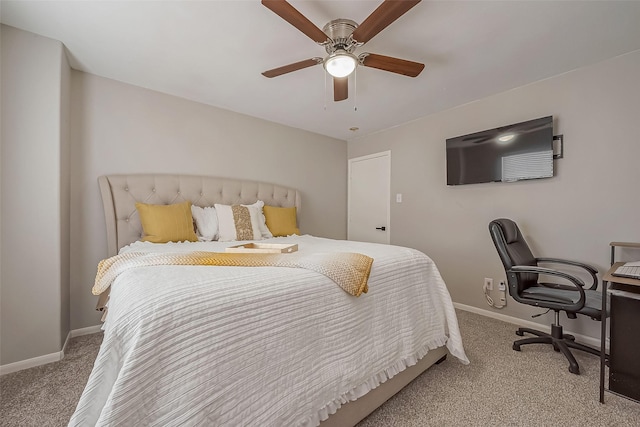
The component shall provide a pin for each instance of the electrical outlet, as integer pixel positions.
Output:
(502, 286)
(488, 283)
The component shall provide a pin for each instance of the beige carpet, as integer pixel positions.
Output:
(499, 387)
(47, 395)
(504, 387)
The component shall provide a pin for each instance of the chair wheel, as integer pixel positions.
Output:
(516, 347)
(556, 349)
(574, 370)
(520, 333)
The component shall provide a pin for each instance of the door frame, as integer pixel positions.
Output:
(386, 154)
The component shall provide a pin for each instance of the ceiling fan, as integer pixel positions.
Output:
(340, 38)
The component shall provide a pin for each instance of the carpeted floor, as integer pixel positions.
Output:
(503, 387)
(499, 387)
(47, 395)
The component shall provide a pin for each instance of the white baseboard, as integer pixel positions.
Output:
(593, 342)
(47, 358)
(85, 331)
(30, 363)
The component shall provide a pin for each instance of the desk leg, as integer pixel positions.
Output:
(613, 255)
(603, 339)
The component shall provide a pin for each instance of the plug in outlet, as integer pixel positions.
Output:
(487, 288)
(502, 289)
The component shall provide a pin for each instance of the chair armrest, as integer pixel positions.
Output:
(576, 281)
(591, 270)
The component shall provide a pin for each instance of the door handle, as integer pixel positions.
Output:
(381, 228)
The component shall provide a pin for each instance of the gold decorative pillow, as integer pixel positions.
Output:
(167, 223)
(281, 221)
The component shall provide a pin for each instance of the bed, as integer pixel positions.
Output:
(203, 345)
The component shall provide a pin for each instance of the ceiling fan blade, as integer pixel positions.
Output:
(292, 67)
(395, 65)
(295, 18)
(340, 88)
(381, 18)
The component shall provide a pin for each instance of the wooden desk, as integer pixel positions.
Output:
(621, 245)
(624, 346)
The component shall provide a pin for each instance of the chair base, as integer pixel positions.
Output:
(561, 342)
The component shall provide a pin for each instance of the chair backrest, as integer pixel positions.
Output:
(513, 250)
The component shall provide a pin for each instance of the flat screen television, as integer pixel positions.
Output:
(505, 154)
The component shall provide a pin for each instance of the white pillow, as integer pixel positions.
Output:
(262, 222)
(206, 223)
(238, 222)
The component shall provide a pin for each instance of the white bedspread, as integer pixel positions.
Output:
(260, 346)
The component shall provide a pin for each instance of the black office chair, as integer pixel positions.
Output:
(523, 271)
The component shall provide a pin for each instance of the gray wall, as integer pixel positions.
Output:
(119, 128)
(61, 129)
(592, 200)
(34, 291)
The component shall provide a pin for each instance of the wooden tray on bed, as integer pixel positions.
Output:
(263, 248)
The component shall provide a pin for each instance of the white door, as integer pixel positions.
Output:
(369, 198)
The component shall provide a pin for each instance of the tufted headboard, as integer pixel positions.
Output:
(121, 192)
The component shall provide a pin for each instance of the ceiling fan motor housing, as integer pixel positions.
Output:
(339, 30)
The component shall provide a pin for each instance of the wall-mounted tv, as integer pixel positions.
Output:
(505, 154)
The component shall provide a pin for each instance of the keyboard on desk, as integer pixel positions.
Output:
(631, 272)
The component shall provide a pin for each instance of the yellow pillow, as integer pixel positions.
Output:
(166, 223)
(281, 221)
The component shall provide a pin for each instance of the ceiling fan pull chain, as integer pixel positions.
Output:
(325, 91)
(355, 89)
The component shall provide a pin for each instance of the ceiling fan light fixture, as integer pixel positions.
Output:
(340, 63)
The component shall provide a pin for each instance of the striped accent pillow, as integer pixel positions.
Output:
(238, 222)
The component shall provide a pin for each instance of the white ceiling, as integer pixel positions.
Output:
(214, 51)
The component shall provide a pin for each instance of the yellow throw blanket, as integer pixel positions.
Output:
(348, 270)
